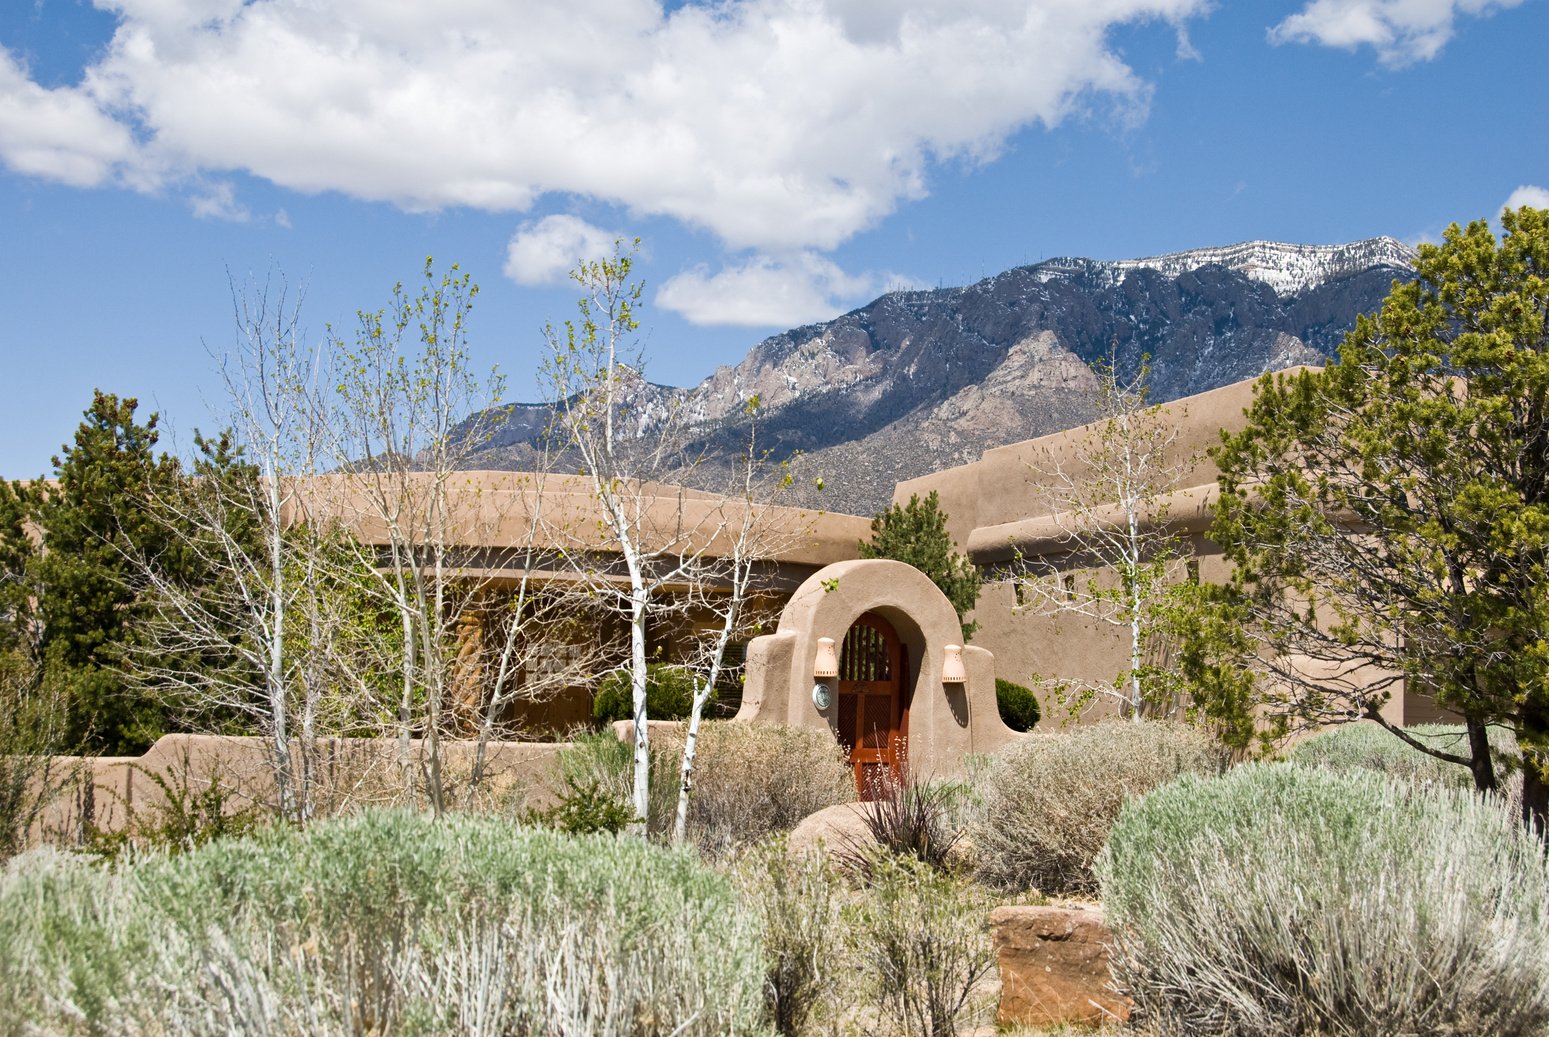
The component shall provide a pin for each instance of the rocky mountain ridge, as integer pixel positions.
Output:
(917, 381)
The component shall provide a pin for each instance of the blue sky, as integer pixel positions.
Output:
(783, 160)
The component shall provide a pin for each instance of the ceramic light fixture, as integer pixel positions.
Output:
(827, 664)
(952, 671)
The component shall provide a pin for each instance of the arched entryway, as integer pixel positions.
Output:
(873, 708)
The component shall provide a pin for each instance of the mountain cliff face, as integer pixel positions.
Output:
(923, 380)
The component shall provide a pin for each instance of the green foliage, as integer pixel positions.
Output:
(1282, 900)
(1390, 510)
(1049, 801)
(381, 923)
(599, 759)
(586, 810)
(1017, 705)
(669, 694)
(31, 733)
(917, 533)
(95, 519)
(188, 813)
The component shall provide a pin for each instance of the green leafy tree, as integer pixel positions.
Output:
(1388, 516)
(917, 533)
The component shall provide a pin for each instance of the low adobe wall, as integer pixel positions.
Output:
(103, 793)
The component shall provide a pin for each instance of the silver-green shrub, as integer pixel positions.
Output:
(384, 923)
(1049, 800)
(1371, 747)
(1285, 900)
(754, 780)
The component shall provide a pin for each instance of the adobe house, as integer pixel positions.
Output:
(1000, 511)
(870, 650)
(507, 527)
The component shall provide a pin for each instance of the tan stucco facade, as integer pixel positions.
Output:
(945, 721)
(1000, 508)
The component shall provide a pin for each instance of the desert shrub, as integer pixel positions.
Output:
(921, 943)
(797, 904)
(753, 780)
(1049, 801)
(1286, 900)
(32, 730)
(190, 812)
(910, 818)
(1017, 705)
(383, 922)
(585, 810)
(1370, 747)
(669, 694)
(600, 766)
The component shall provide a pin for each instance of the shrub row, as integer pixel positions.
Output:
(751, 780)
(385, 923)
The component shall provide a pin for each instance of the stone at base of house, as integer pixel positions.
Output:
(1054, 967)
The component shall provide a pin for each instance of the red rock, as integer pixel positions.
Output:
(1054, 967)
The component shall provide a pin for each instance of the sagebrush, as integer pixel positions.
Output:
(750, 780)
(1369, 746)
(1281, 901)
(381, 923)
(1049, 801)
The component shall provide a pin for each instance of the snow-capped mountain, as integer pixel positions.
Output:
(922, 380)
(1288, 269)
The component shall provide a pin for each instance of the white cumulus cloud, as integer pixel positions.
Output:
(1529, 195)
(1401, 31)
(60, 134)
(778, 125)
(546, 251)
(767, 291)
(218, 201)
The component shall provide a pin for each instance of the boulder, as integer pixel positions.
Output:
(840, 828)
(1054, 967)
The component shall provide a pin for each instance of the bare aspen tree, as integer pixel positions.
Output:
(224, 641)
(410, 422)
(751, 533)
(1109, 503)
(658, 533)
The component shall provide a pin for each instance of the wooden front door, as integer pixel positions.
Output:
(873, 718)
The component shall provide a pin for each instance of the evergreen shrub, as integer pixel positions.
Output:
(380, 923)
(1048, 801)
(1017, 705)
(669, 694)
(1285, 900)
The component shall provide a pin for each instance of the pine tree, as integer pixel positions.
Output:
(1388, 516)
(917, 533)
(95, 523)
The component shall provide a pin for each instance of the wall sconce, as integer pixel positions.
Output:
(825, 669)
(827, 665)
(952, 671)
